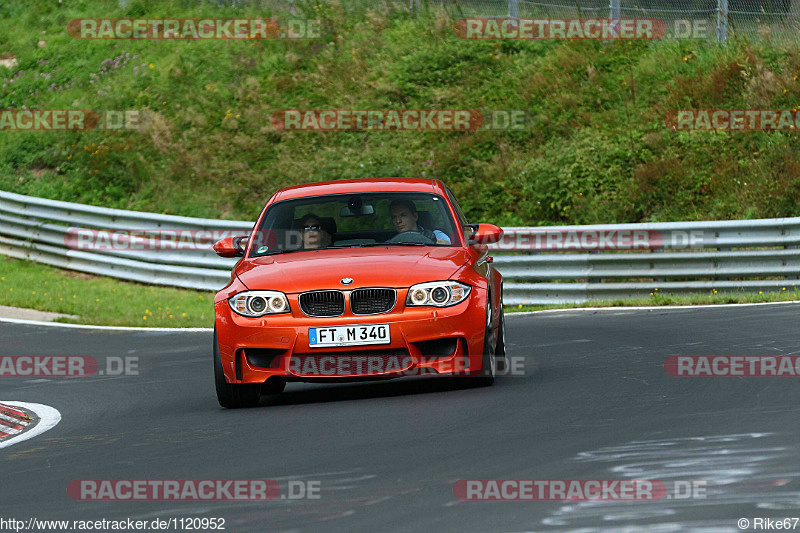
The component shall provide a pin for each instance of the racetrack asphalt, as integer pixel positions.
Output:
(594, 402)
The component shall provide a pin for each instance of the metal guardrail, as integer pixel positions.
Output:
(540, 265)
(676, 258)
(37, 229)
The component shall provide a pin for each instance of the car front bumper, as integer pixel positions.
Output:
(423, 341)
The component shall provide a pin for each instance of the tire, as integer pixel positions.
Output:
(500, 348)
(488, 364)
(233, 395)
(272, 386)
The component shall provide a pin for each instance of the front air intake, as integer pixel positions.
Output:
(372, 301)
(322, 303)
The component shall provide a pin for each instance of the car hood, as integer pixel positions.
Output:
(368, 267)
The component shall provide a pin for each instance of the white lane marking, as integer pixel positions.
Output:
(315, 476)
(650, 308)
(731, 463)
(89, 326)
(379, 500)
(576, 341)
(49, 417)
(510, 314)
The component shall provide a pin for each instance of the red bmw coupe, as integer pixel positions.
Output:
(357, 280)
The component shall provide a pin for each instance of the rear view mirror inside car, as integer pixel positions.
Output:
(357, 211)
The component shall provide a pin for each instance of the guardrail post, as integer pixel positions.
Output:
(722, 21)
(791, 247)
(658, 251)
(722, 249)
(614, 10)
(594, 280)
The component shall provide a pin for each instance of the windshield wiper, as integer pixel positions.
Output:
(369, 244)
(332, 247)
(272, 252)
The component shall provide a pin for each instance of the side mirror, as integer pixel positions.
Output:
(230, 246)
(485, 234)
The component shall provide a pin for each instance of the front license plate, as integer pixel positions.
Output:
(357, 335)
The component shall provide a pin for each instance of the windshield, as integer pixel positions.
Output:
(355, 220)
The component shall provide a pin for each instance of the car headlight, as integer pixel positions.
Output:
(259, 303)
(437, 293)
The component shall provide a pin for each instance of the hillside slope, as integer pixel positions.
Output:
(598, 152)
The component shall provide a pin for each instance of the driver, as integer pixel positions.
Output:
(404, 217)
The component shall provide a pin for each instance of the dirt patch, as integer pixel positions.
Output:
(19, 313)
(78, 275)
(8, 60)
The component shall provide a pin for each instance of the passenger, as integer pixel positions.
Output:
(314, 234)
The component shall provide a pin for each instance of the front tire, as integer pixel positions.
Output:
(500, 347)
(233, 395)
(488, 363)
(272, 386)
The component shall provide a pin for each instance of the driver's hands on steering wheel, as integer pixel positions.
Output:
(420, 236)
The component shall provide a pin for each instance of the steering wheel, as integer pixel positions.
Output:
(412, 236)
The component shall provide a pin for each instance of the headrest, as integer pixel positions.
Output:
(328, 224)
(425, 220)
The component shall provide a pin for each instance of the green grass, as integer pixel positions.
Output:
(786, 291)
(100, 300)
(599, 151)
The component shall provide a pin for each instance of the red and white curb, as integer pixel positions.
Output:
(12, 421)
(20, 421)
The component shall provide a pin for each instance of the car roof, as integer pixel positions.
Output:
(361, 186)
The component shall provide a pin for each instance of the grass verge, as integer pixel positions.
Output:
(785, 292)
(106, 301)
(100, 300)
